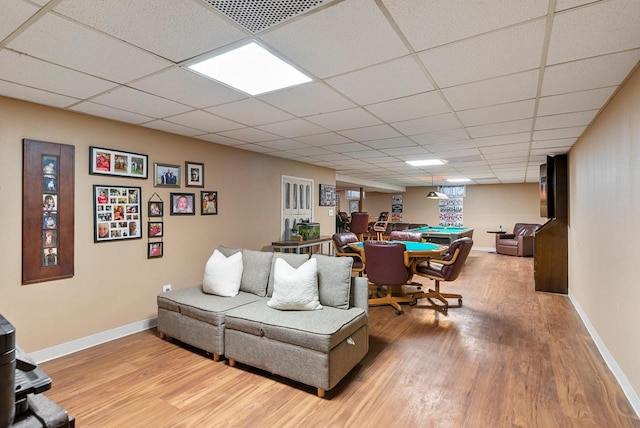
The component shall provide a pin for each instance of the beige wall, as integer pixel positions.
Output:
(486, 207)
(604, 227)
(114, 283)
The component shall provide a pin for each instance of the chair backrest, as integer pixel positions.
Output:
(385, 262)
(403, 235)
(463, 245)
(341, 241)
(344, 217)
(525, 229)
(383, 216)
(359, 222)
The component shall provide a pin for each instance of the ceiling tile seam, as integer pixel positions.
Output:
(551, 11)
(42, 11)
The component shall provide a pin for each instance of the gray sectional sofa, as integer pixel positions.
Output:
(314, 347)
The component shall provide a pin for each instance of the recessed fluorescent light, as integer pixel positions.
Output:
(251, 69)
(458, 180)
(425, 162)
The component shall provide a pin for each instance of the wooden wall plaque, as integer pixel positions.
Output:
(48, 186)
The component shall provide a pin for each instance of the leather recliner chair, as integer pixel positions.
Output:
(519, 243)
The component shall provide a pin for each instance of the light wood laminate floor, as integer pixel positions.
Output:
(510, 357)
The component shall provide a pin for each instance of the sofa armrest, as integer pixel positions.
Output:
(360, 293)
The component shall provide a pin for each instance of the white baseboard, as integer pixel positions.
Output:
(87, 342)
(627, 388)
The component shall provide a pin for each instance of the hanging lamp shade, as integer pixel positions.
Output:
(432, 195)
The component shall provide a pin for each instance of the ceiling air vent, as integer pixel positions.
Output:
(256, 15)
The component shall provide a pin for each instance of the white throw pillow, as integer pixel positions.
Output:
(295, 289)
(222, 275)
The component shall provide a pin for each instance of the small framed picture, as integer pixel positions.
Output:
(155, 229)
(194, 174)
(327, 195)
(156, 208)
(154, 250)
(182, 203)
(209, 201)
(165, 175)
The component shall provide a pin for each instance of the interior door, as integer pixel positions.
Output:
(297, 203)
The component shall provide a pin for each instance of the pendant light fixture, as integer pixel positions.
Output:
(436, 195)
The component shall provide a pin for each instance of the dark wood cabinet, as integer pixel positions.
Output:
(551, 245)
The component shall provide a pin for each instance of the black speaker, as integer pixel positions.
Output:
(7, 372)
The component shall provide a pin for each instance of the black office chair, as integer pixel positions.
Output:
(447, 268)
(386, 268)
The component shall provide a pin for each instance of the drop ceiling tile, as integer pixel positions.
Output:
(14, 14)
(500, 90)
(310, 151)
(251, 112)
(376, 132)
(440, 137)
(292, 128)
(29, 71)
(186, 31)
(569, 4)
(597, 29)
(308, 99)
(249, 135)
(453, 156)
(220, 139)
(285, 144)
(110, 113)
(453, 145)
(369, 155)
(554, 134)
(517, 147)
(140, 102)
(503, 139)
(405, 151)
(427, 124)
(598, 72)
(393, 79)
(344, 37)
(592, 99)
(565, 120)
(332, 157)
(13, 90)
(550, 151)
(387, 143)
(412, 107)
(504, 128)
(499, 113)
(503, 52)
(457, 19)
(204, 121)
(346, 148)
(325, 139)
(545, 144)
(345, 119)
(172, 128)
(189, 88)
(256, 148)
(63, 42)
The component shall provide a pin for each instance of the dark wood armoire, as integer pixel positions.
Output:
(551, 252)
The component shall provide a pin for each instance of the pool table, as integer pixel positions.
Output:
(443, 235)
